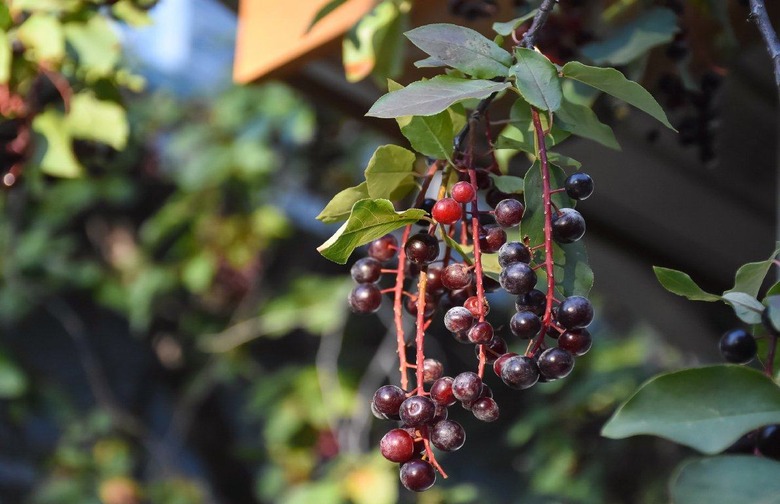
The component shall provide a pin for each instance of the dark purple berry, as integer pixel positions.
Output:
(448, 435)
(568, 226)
(416, 411)
(509, 213)
(426, 205)
(578, 186)
(417, 475)
(525, 325)
(458, 319)
(498, 365)
(534, 301)
(397, 446)
(422, 248)
(577, 342)
(432, 370)
(366, 270)
(434, 280)
(491, 238)
(485, 409)
(738, 346)
(555, 363)
(481, 333)
(513, 252)
(575, 312)
(384, 248)
(519, 372)
(388, 399)
(456, 276)
(517, 278)
(365, 298)
(441, 391)
(466, 386)
(768, 442)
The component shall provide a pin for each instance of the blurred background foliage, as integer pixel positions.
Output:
(169, 333)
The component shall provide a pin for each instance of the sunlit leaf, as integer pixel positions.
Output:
(537, 79)
(98, 120)
(43, 37)
(339, 207)
(390, 172)
(53, 149)
(431, 136)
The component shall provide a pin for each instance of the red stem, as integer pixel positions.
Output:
(422, 282)
(548, 245)
(398, 310)
(477, 266)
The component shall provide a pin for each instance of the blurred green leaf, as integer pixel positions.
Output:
(6, 56)
(362, 44)
(53, 149)
(43, 37)
(727, 479)
(96, 45)
(98, 120)
(13, 382)
(324, 11)
(130, 14)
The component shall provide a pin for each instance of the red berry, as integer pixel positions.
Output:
(446, 211)
(463, 192)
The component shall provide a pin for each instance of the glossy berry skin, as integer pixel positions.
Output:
(738, 346)
(513, 252)
(441, 391)
(576, 342)
(579, 186)
(384, 248)
(397, 446)
(387, 400)
(417, 475)
(365, 298)
(366, 270)
(519, 372)
(456, 276)
(481, 333)
(568, 226)
(555, 363)
(575, 312)
(426, 205)
(491, 239)
(446, 211)
(517, 278)
(509, 213)
(463, 192)
(498, 365)
(448, 435)
(432, 370)
(422, 248)
(458, 319)
(534, 301)
(768, 442)
(416, 411)
(466, 386)
(525, 325)
(472, 305)
(485, 409)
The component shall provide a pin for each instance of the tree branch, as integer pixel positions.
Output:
(545, 9)
(759, 14)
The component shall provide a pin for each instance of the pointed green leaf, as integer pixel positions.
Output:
(430, 62)
(340, 206)
(615, 83)
(507, 183)
(431, 136)
(562, 161)
(99, 120)
(705, 408)
(389, 168)
(507, 28)
(462, 48)
(582, 121)
(424, 98)
(747, 308)
(726, 480)
(53, 149)
(682, 284)
(650, 29)
(751, 276)
(369, 220)
(537, 79)
(324, 11)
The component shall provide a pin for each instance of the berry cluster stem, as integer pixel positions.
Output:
(548, 243)
(398, 297)
(422, 283)
(477, 265)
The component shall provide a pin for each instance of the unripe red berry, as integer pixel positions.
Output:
(446, 211)
(463, 192)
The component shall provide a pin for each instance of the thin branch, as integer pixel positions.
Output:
(529, 38)
(759, 14)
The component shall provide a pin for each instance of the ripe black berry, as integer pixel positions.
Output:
(768, 442)
(365, 298)
(575, 312)
(422, 248)
(416, 411)
(448, 435)
(456, 276)
(579, 186)
(568, 226)
(513, 252)
(397, 446)
(509, 213)
(577, 342)
(738, 346)
(534, 301)
(417, 475)
(432, 370)
(441, 391)
(494, 349)
(458, 319)
(519, 372)
(485, 409)
(525, 325)
(466, 386)
(517, 278)
(434, 280)
(387, 400)
(481, 333)
(498, 365)
(555, 363)
(384, 248)
(366, 270)
(491, 239)
(426, 205)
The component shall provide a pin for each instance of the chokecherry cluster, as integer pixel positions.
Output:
(553, 329)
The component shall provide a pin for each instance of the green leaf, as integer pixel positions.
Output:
(519, 134)
(615, 83)
(537, 79)
(431, 136)
(751, 276)
(98, 120)
(96, 45)
(53, 150)
(43, 38)
(369, 220)
(705, 408)
(773, 311)
(462, 48)
(130, 14)
(425, 98)
(507, 183)
(747, 308)
(13, 381)
(652, 28)
(6, 57)
(746, 479)
(362, 45)
(507, 28)
(340, 206)
(324, 11)
(582, 121)
(390, 172)
(681, 284)
(562, 161)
